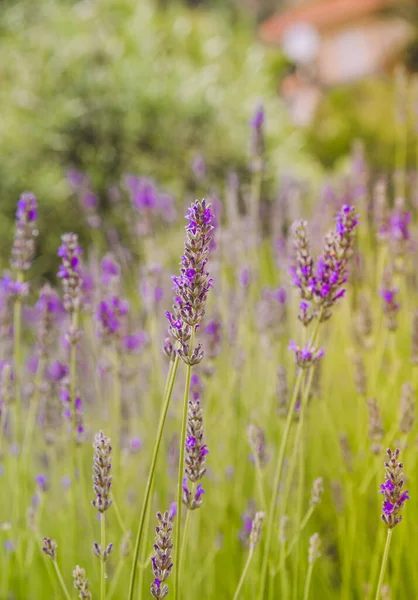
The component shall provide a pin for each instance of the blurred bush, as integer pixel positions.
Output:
(116, 86)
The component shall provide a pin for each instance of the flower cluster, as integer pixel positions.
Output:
(81, 583)
(394, 496)
(49, 547)
(161, 561)
(307, 356)
(102, 467)
(192, 285)
(314, 548)
(390, 307)
(256, 527)
(110, 315)
(70, 271)
(24, 243)
(321, 287)
(257, 441)
(196, 452)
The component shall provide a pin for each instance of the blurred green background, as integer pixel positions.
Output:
(119, 86)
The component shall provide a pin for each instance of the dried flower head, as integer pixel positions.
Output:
(317, 491)
(256, 529)
(394, 496)
(70, 271)
(257, 441)
(161, 560)
(102, 467)
(314, 548)
(81, 583)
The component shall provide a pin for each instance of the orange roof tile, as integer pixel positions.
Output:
(322, 15)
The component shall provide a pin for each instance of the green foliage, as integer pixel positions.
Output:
(114, 86)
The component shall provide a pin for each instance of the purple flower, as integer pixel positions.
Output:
(307, 356)
(110, 269)
(173, 510)
(257, 120)
(56, 371)
(135, 341)
(394, 496)
(42, 481)
(244, 276)
(199, 492)
(135, 444)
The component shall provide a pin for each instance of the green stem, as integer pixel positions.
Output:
(279, 469)
(244, 573)
(308, 582)
(184, 540)
(384, 564)
(103, 560)
(276, 483)
(166, 403)
(61, 580)
(177, 548)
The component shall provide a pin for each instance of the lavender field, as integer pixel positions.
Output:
(209, 390)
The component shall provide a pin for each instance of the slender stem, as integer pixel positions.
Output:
(384, 564)
(166, 404)
(118, 515)
(180, 478)
(73, 387)
(103, 560)
(279, 469)
(184, 540)
(244, 573)
(276, 482)
(61, 580)
(145, 550)
(308, 581)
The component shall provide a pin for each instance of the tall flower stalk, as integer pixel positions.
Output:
(255, 534)
(394, 497)
(21, 259)
(320, 289)
(191, 289)
(102, 485)
(71, 274)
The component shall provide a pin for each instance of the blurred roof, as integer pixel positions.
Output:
(322, 14)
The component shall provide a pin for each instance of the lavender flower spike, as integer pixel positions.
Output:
(81, 583)
(70, 271)
(102, 467)
(394, 496)
(192, 285)
(161, 561)
(24, 243)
